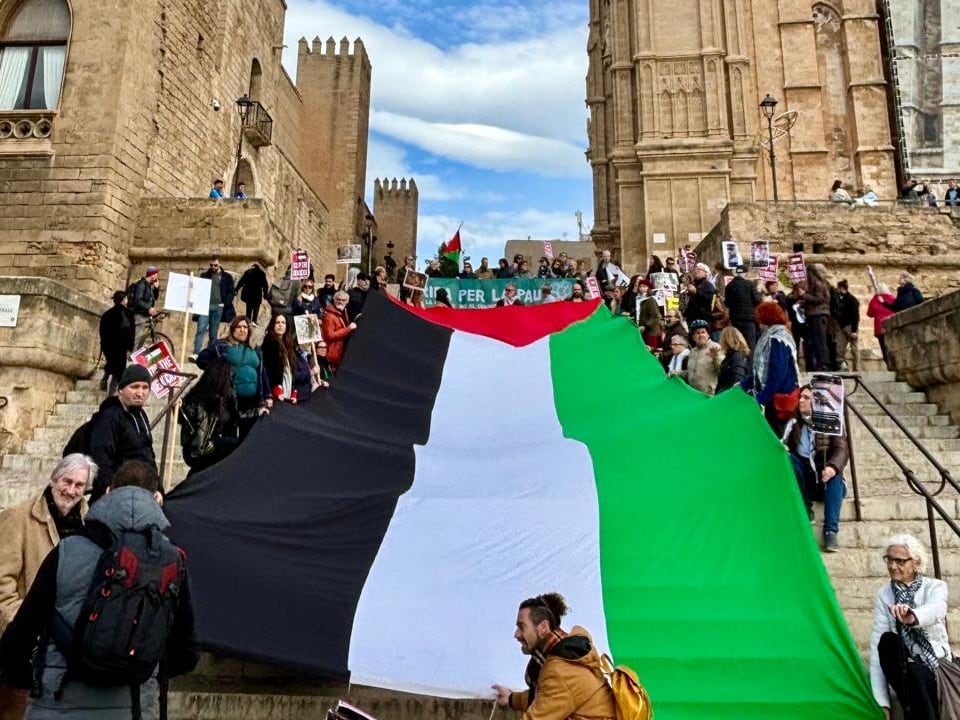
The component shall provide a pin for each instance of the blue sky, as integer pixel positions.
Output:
(480, 101)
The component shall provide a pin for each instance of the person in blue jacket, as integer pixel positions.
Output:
(775, 378)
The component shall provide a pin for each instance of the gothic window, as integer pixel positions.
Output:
(33, 49)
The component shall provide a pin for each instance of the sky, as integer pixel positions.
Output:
(480, 101)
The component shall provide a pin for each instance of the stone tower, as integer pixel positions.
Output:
(675, 128)
(395, 205)
(335, 86)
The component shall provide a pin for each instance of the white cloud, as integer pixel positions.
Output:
(484, 146)
(485, 235)
(386, 160)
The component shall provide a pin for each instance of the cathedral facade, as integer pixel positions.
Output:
(675, 126)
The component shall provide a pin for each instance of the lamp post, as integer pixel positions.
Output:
(244, 103)
(769, 106)
(369, 239)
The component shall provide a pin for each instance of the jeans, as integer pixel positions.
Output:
(207, 324)
(830, 493)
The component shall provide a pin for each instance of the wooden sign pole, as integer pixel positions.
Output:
(175, 410)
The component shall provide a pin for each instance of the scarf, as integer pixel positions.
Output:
(537, 658)
(67, 525)
(761, 353)
(914, 637)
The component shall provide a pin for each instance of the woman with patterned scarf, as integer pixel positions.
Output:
(909, 639)
(775, 377)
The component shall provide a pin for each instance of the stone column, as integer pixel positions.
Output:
(634, 247)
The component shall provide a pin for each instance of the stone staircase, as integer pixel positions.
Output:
(25, 474)
(888, 505)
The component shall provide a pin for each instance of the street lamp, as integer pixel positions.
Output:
(769, 106)
(244, 103)
(369, 239)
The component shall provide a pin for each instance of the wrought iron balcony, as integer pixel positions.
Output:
(257, 125)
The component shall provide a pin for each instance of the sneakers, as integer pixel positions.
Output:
(830, 543)
(192, 357)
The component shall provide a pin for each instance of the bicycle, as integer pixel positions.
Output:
(151, 336)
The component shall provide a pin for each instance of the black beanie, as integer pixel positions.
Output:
(134, 373)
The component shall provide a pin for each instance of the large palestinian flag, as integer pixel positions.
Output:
(465, 460)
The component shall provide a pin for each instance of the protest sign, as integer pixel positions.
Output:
(348, 254)
(308, 329)
(769, 272)
(155, 358)
(759, 253)
(414, 280)
(796, 267)
(181, 287)
(474, 294)
(827, 416)
(665, 280)
(299, 265)
(548, 250)
(731, 255)
(673, 303)
(686, 259)
(594, 287)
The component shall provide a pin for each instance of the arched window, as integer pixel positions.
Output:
(33, 48)
(256, 78)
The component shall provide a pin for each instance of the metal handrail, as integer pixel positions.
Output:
(915, 485)
(166, 414)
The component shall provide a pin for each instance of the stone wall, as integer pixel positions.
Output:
(54, 341)
(924, 345)
(890, 238)
(395, 206)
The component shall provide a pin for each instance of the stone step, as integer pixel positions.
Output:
(853, 562)
(894, 507)
(911, 422)
(859, 593)
(84, 410)
(85, 397)
(54, 434)
(888, 429)
(904, 413)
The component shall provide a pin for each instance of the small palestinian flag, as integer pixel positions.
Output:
(464, 460)
(451, 250)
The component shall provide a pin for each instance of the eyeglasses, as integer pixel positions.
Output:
(899, 562)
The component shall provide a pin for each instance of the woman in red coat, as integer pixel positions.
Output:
(336, 327)
(879, 310)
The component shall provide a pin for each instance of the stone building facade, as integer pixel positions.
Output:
(114, 121)
(395, 206)
(926, 55)
(675, 130)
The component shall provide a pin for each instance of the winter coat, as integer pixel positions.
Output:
(253, 286)
(931, 612)
(570, 684)
(650, 316)
(271, 370)
(741, 298)
(703, 369)
(879, 309)
(244, 360)
(29, 533)
(847, 311)
(116, 331)
(816, 300)
(734, 369)
(60, 587)
(831, 450)
(357, 298)
(144, 297)
(907, 297)
(227, 293)
(700, 304)
(336, 330)
(307, 307)
(118, 435)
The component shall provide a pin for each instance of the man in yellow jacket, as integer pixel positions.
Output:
(28, 532)
(564, 678)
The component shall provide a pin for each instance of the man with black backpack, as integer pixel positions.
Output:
(107, 606)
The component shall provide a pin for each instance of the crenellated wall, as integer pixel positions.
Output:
(395, 206)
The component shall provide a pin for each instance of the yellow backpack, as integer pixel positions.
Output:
(631, 698)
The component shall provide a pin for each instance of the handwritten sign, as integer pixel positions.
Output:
(299, 265)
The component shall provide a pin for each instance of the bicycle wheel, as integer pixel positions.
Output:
(147, 339)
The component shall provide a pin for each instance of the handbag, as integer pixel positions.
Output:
(948, 689)
(785, 404)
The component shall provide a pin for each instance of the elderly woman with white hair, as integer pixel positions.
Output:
(909, 638)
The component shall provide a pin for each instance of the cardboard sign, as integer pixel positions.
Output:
(594, 287)
(770, 271)
(299, 265)
(9, 310)
(686, 259)
(180, 287)
(548, 250)
(827, 416)
(414, 280)
(155, 358)
(665, 280)
(348, 254)
(308, 329)
(759, 253)
(731, 255)
(796, 267)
